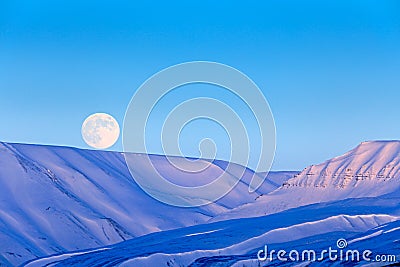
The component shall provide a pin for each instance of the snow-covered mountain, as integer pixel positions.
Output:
(58, 199)
(376, 161)
(77, 204)
(371, 169)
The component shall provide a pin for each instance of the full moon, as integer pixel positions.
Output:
(100, 130)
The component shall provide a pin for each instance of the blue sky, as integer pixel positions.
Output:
(329, 69)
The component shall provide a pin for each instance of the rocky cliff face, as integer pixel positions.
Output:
(377, 161)
(371, 169)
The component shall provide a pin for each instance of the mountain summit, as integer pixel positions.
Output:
(369, 162)
(371, 169)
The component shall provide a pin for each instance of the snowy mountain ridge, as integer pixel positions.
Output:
(371, 169)
(58, 199)
(55, 200)
(373, 160)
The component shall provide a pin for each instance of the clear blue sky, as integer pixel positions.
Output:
(329, 69)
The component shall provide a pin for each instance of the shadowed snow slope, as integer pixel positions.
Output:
(371, 169)
(58, 199)
(361, 221)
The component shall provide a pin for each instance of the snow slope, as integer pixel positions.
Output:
(362, 222)
(58, 199)
(371, 169)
